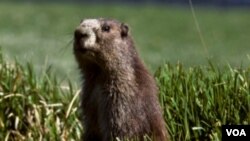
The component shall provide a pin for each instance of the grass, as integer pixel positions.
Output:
(35, 107)
(196, 101)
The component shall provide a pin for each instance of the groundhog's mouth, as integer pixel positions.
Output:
(79, 39)
(84, 40)
(81, 50)
(79, 47)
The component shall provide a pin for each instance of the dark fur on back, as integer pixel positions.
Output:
(119, 96)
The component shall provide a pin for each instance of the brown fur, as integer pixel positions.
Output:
(119, 96)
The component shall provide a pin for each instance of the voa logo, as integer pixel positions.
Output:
(236, 132)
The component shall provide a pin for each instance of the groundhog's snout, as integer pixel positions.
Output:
(80, 34)
(85, 33)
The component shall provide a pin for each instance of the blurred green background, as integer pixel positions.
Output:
(42, 33)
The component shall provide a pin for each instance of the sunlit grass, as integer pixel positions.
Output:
(36, 107)
(196, 101)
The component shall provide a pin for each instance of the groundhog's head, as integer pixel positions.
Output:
(103, 42)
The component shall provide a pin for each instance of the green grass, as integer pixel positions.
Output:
(196, 101)
(42, 33)
(36, 107)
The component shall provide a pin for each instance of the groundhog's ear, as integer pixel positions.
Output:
(124, 30)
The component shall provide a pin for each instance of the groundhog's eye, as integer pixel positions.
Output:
(106, 28)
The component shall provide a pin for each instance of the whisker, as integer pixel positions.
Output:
(64, 48)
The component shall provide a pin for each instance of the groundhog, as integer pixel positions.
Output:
(119, 96)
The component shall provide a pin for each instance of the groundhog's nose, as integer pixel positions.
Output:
(80, 34)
